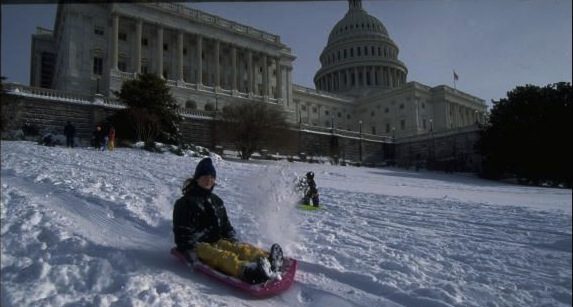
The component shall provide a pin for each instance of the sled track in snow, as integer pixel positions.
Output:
(101, 221)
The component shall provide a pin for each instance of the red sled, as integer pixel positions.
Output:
(268, 288)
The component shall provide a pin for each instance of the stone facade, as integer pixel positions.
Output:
(97, 46)
(361, 95)
(49, 110)
(210, 61)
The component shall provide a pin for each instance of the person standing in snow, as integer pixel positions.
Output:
(203, 232)
(98, 138)
(111, 138)
(105, 135)
(311, 192)
(70, 133)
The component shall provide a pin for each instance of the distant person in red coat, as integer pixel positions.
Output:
(111, 138)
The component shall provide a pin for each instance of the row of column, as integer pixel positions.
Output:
(373, 75)
(463, 116)
(199, 62)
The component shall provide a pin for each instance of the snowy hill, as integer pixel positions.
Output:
(86, 228)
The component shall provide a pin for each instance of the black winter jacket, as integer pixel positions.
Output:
(312, 191)
(200, 216)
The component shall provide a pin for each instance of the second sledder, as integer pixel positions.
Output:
(307, 186)
(204, 233)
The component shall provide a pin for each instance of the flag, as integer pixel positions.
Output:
(456, 76)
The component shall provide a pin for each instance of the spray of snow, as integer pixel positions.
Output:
(272, 194)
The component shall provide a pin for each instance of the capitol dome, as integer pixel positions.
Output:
(356, 22)
(359, 56)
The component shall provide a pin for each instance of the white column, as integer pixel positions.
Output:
(392, 77)
(234, 68)
(373, 75)
(265, 76)
(288, 84)
(199, 60)
(250, 78)
(217, 63)
(180, 55)
(279, 79)
(138, 31)
(160, 51)
(114, 41)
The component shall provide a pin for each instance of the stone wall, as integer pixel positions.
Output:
(44, 115)
(452, 150)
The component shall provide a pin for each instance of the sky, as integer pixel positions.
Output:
(493, 46)
(80, 227)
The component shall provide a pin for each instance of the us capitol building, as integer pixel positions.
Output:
(209, 62)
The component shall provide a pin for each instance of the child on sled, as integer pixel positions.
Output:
(203, 232)
(308, 186)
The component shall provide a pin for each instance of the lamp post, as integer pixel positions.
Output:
(299, 131)
(393, 145)
(332, 124)
(216, 115)
(360, 141)
(432, 157)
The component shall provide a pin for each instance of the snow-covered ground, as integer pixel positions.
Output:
(86, 228)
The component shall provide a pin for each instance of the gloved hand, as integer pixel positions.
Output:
(190, 256)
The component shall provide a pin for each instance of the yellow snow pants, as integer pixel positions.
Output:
(111, 144)
(228, 257)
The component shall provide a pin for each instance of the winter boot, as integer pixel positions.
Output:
(276, 258)
(258, 272)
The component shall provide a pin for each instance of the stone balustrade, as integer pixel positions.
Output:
(194, 113)
(346, 133)
(216, 21)
(38, 92)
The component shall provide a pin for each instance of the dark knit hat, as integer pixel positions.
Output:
(205, 167)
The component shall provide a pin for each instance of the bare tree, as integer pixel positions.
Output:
(253, 125)
(145, 124)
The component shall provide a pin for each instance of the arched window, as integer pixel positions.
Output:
(209, 107)
(190, 104)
